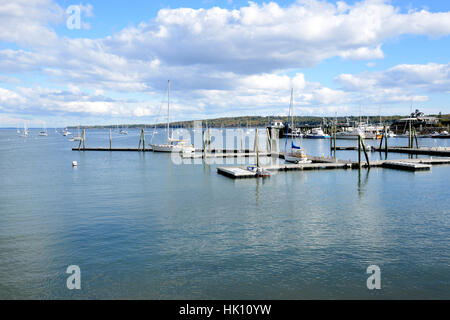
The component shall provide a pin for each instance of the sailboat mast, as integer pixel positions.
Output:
(292, 111)
(257, 147)
(168, 109)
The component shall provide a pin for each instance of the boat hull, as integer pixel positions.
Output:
(171, 148)
(317, 137)
(293, 159)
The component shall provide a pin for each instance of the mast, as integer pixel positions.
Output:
(360, 115)
(257, 147)
(168, 109)
(292, 112)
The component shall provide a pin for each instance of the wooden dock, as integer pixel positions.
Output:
(402, 164)
(431, 151)
(213, 152)
(243, 172)
(224, 155)
(113, 149)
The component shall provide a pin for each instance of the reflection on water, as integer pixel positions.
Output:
(141, 227)
(362, 184)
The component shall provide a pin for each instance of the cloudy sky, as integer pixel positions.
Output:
(224, 58)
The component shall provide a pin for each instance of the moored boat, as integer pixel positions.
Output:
(317, 133)
(170, 146)
(297, 155)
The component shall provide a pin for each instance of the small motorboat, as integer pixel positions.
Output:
(442, 135)
(317, 133)
(259, 172)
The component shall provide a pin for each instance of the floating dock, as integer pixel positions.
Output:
(224, 155)
(113, 149)
(431, 151)
(402, 164)
(212, 152)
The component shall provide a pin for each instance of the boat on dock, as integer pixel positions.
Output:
(259, 172)
(172, 145)
(297, 155)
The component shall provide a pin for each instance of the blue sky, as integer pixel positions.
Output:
(224, 58)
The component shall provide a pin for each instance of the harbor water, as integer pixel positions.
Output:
(140, 226)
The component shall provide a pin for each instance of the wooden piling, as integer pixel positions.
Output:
(382, 137)
(385, 140)
(143, 139)
(415, 137)
(335, 132)
(410, 144)
(359, 151)
(110, 142)
(365, 152)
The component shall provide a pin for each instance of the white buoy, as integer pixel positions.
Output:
(74, 163)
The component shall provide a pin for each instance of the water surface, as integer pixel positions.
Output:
(140, 226)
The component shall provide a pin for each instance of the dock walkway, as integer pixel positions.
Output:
(431, 151)
(402, 164)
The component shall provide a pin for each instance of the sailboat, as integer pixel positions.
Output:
(294, 132)
(77, 137)
(248, 130)
(66, 132)
(123, 131)
(170, 146)
(43, 132)
(25, 131)
(297, 154)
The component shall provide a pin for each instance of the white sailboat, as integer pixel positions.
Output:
(77, 137)
(294, 132)
(123, 131)
(66, 132)
(297, 154)
(25, 131)
(172, 145)
(43, 132)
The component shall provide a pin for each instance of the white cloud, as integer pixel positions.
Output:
(430, 77)
(27, 22)
(222, 61)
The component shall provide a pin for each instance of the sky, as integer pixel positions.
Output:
(108, 62)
